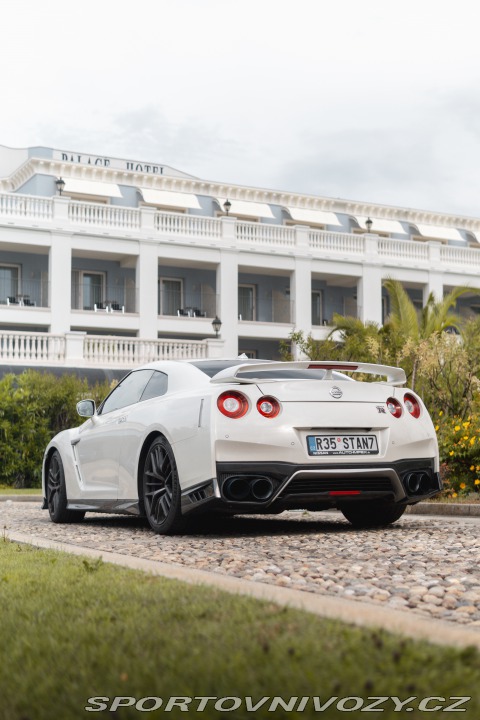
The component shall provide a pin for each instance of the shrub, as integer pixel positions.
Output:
(35, 406)
(459, 446)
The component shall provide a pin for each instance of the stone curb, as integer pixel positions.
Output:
(422, 508)
(456, 509)
(361, 614)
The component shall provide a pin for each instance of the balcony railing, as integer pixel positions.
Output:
(127, 352)
(24, 293)
(201, 304)
(273, 310)
(80, 350)
(104, 298)
(31, 348)
(64, 213)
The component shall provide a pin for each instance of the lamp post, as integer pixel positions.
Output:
(227, 205)
(216, 324)
(60, 183)
(368, 224)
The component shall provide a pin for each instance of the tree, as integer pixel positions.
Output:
(406, 330)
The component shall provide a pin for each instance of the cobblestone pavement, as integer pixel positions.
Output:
(425, 565)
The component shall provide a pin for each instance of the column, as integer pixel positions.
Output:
(369, 295)
(60, 282)
(227, 289)
(301, 295)
(147, 290)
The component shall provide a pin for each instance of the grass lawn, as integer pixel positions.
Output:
(19, 491)
(73, 629)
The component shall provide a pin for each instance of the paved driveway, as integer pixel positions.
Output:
(427, 566)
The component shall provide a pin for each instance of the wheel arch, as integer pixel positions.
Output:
(46, 463)
(141, 461)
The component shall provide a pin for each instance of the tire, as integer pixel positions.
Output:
(161, 489)
(373, 514)
(56, 493)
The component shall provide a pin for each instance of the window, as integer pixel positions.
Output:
(9, 282)
(247, 302)
(88, 290)
(317, 307)
(156, 386)
(129, 391)
(170, 296)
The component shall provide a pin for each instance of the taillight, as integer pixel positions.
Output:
(232, 404)
(268, 406)
(412, 405)
(394, 407)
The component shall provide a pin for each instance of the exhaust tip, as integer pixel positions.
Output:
(240, 488)
(417, 483)
(262, 488)
(236, 488)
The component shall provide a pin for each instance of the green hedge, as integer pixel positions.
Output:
(34, 407)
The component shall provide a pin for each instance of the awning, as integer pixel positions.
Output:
(439, 233)
(381, 225)
(247, 209)
(91, 187)
(166, 198)
(315, 217)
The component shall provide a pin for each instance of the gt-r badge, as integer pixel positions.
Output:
(381, 409)
(335, 392)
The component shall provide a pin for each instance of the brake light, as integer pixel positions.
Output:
(232, 404)
(412, 405)
(268, 406)
(394, 407)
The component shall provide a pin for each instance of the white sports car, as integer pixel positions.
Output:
(178, 438)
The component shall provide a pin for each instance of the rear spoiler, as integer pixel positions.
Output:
(395, 376)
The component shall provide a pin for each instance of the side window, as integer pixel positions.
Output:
(157, 385)
(127, 392)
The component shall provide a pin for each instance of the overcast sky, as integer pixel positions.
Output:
(371, 100)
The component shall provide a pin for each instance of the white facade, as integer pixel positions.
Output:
(133, 261)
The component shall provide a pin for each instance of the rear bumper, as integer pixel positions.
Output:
(255, 487)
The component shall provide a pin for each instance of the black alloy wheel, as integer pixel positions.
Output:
(161, 489)
(56, 493)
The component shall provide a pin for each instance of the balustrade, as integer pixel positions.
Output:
(36, 348)
(65, 213)
(336, 242)
(31, 348)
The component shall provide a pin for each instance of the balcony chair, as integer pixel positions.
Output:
(114, 306)
(100, 306)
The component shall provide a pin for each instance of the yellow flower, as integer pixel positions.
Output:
(465, 437)
(440, 413)
(477, 482)
(454, 494)
(457, 428)
(462, 486)
(451, 453)
(472, 442)
(477, 468)
(436, 428)
(472, 467)
(466, 424)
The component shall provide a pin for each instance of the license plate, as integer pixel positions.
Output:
(342, 445)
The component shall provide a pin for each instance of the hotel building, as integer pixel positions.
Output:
(109, 263)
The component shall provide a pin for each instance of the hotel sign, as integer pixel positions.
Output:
(106, 162)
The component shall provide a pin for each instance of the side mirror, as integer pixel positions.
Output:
(86, 408)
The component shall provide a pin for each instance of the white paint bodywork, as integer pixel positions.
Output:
(102, 457)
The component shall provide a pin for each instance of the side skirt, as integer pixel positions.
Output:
(122, 507)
